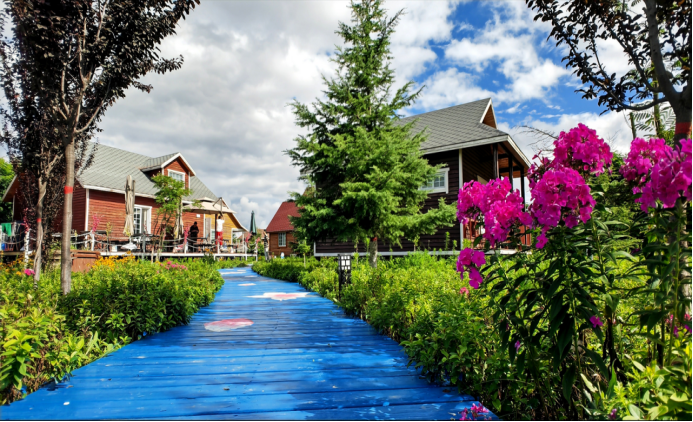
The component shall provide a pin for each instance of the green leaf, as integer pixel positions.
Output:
(635, 411)
(599, 362)
(568, 381)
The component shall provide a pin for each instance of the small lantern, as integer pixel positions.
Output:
(344, 269)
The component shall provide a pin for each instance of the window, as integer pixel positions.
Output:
(176, 175)
(439, 182)
(282, 240)
(141, 218)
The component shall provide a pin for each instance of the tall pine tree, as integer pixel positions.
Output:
(366, 170)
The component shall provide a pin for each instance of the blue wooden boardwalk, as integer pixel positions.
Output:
(251, 354)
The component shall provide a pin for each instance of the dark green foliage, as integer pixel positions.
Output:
(46, 335)
(365, 169)
(6, 175)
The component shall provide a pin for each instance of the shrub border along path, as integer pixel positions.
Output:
(301, 358)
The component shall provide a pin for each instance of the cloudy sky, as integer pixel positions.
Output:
(227, 109)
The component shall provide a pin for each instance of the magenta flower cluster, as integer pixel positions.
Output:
(173, 266)
(659, 172)
(29, 272)
(560, 194)
(582, 149)
(474, 413)
(501, 207)
(470, 261)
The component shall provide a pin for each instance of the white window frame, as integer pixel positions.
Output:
(176, 172)
(148, 210)
(281, 237)
(441, 189)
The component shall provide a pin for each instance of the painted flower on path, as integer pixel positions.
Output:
(228, 324)
(281, 296)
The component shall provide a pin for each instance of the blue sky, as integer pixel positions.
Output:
(226, 108)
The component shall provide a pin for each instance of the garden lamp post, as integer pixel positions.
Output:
(344, 269)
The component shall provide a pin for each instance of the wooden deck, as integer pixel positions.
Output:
(251, 354)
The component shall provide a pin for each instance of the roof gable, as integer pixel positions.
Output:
(159, 163)
(464, 123)
(112, 165)
(280, 222)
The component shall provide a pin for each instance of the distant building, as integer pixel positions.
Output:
(281, 231)
(100, 191)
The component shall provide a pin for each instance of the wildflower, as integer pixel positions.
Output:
(517, 346)
(581, 148)
(659, 172)
(18, 273)
(596, 321)
(29, 272)
(676, 331)
(468, 261)
(479, 408)
(465, 416)
(501, 207)
(561, 194)
(687, 328)
(612, 415)
(464, 291)
(475, 279)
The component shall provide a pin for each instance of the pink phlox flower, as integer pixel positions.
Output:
(464, 291)
(560, 194)
(581, 148)
(687, 328)
(475, 279)
(479, 258)
(29, 272)
(596, 321)
(464, 415)
(676, 331)
(642, 157)
(501, 208)
(465, 258)
(668, 177)
(479, 408)
(687, 317)
(517, 345)
(612, 415)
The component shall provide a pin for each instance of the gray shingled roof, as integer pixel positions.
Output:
(152, 162)
(454, 125)
(112, 165)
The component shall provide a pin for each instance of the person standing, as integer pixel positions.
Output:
(194, 232)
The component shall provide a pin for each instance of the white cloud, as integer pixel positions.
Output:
(612, 127)
(510, 43)
(227, 109)
(450, 87)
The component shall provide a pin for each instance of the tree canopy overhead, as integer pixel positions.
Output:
(78, 57)
(365, 169)
(654, 35)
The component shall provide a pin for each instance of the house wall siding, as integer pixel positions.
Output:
(449, 159)
(177, 165)
(274, 248)
(477, 161)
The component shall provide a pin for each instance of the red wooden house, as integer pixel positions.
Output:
(100, 191)
(281, 231)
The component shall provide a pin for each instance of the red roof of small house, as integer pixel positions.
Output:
(280, 222)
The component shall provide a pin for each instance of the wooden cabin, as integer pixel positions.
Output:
(280, 230)
(100, 191)
(465, 139)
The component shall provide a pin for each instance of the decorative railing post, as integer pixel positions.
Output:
(27, 238)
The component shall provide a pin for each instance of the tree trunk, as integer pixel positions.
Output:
(66, 259)
(373, 253)
(42, 184)
(683, 123)
(683, 131)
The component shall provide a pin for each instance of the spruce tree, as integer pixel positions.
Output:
(366, 170)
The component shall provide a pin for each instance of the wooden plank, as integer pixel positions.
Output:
(301, 358)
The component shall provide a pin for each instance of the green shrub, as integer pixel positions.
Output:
(45, 335)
